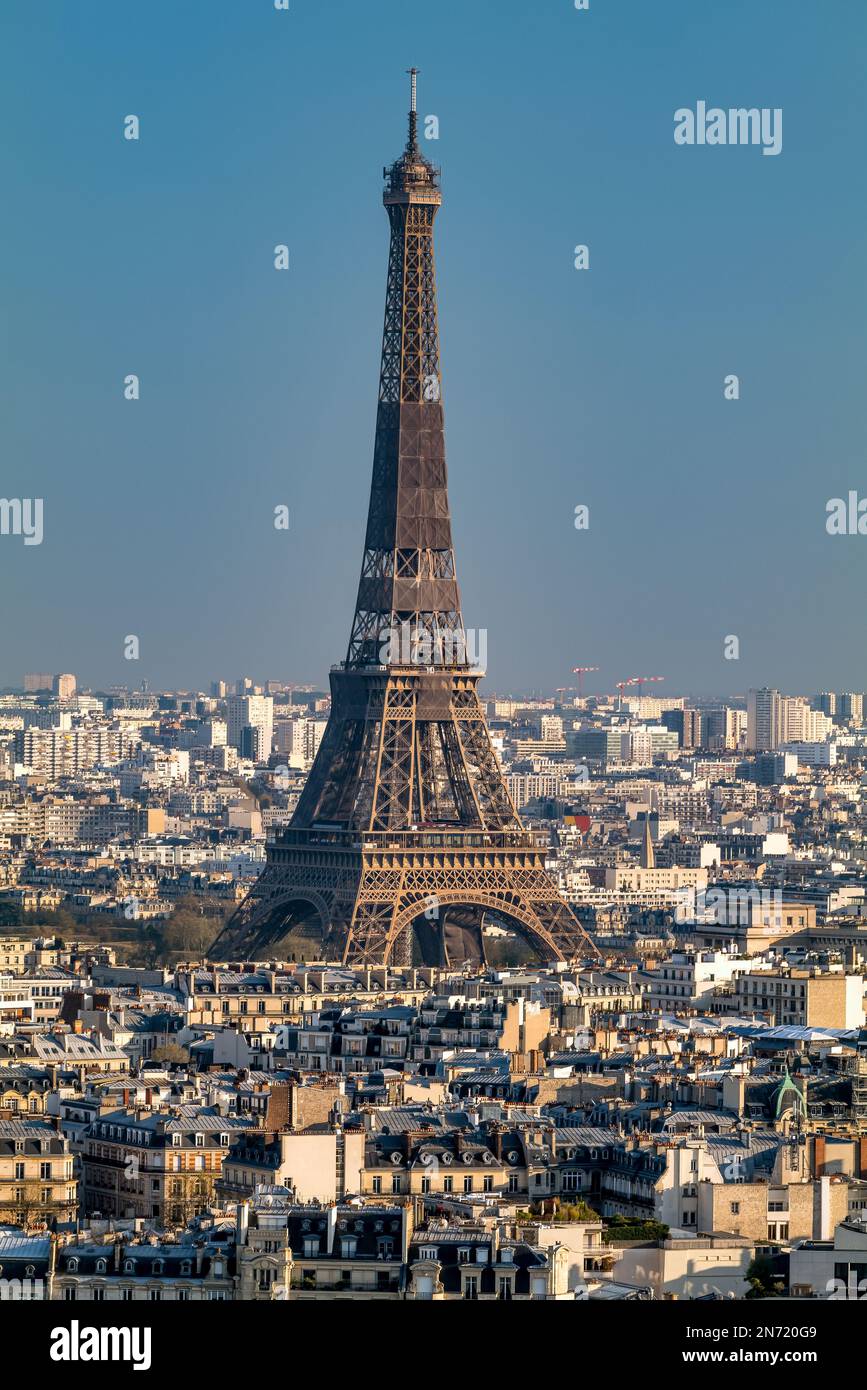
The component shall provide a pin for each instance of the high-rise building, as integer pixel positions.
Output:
(826, 702)
(686, 723)
(298, 740)
(35, 681)
(851, 706)
(794, 719)
(251, 711)
(219, 689)
(764, 720)
(64, 687)
(722, 727)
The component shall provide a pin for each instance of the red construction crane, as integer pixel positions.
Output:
(640, 680)
(579, 672)
(621, 686)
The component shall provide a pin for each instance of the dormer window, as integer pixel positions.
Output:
(100, 1266)
(200, 1141)
(176, 1141)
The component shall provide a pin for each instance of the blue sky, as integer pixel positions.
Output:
(604, 387)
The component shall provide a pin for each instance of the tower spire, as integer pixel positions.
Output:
(412, 142)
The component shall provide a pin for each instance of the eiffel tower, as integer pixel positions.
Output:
(405, 827)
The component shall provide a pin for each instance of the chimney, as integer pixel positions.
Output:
(819, 1156)
(242, 1220)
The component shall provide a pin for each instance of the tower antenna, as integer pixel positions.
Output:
(412, 144)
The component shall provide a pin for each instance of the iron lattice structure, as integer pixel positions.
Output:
(405, 825)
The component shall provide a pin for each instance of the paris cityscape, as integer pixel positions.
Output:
(452, 963)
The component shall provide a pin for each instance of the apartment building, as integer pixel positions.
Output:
(161, 1166)
(37, 1184)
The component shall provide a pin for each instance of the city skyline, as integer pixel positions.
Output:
(433, 740)
(163, 507)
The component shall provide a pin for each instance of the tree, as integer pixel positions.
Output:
(762, 1279)
(170, 1052)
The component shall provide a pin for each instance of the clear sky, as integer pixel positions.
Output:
(561, 387)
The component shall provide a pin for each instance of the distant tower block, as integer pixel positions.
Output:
(405, 827)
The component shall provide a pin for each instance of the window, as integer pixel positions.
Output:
(735, 1208)
(488, 1183)
(468, 1184)
(377, 1185)
(448, 1184)
(471, 1287)
(395, 1183)
(425, 1184)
